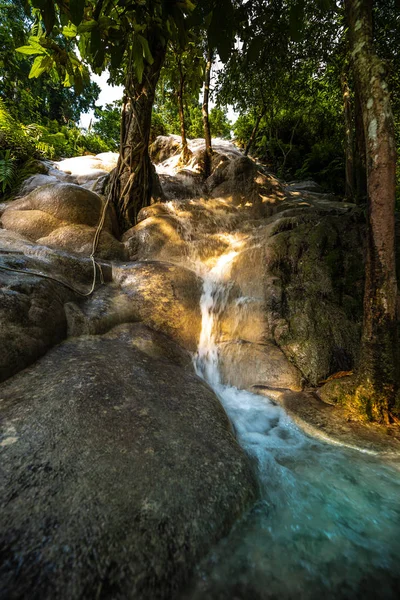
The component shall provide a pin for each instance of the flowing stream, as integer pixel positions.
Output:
(327, 524)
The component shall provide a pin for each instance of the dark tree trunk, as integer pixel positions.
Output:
(186, 153)
(254, 132)
(131, 184)
(360, 159)
(376, 388)
(349, 141)
(206, 121)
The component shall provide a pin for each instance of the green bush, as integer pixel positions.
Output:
(13, 136)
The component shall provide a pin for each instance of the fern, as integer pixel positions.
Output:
(8, 170)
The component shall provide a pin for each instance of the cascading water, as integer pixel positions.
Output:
(328, 519)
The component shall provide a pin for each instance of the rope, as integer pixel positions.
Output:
(94, 263)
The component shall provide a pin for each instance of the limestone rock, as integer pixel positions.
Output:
(156, 238)
(163, 147)
(35, 181)
(119, 472)
(79, 239)
(66, 202)
(164, 296)
(251, 366)
(32, 313)
(33, 224)
(314, 289)
(245, 184)
(64, 216)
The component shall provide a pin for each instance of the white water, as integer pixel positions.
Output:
(328, 520)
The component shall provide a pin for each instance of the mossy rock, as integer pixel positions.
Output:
(318, 258)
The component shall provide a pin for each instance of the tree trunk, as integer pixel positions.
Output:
(186, 153)
(206, 121)
(376, 389)
(360, 160)
(254, 132)
(132, 180)
(349, 141)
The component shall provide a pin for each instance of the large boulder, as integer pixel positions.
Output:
(253, 366)
(164, 147)
(314, 288)
(244, 183)
(79, 239)
(64, 216)
(164, 296)
(32, 313)
(158, 238)
(119, 472)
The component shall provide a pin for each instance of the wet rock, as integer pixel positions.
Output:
(303, 186)
(79, 239)
(167, 298)
(32, 317)
(156, 238)
(163, 147)
(251, 366)
(64, 216)
(334, 424)
(314, 293)
(243, 183)
(32, 311)
(243, 318)
(155, 210)
(65, 202)
(32, 224)
(164, 296)
(87, 165)
(119, 472)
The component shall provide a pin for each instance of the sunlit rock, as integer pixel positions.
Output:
(64, 216)
(156, 238)
(79, 239)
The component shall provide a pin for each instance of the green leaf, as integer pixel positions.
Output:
(78, 81)
(117, 53)
(137, 55)
(40, 65)
(30, 50)
(146, 50)
(70, 31)
(76, 8)
(69, 80)
(87, 26)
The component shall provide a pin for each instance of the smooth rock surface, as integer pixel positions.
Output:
(121, 471)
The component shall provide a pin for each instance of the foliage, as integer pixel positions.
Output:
(108, 124)
(7, 170)
(28, 99)
(219, 123)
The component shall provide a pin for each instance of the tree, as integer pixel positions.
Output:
(181, 80)
(376, 382)
(28, 99)
(108, 124)
(130, 40)
(204, 110)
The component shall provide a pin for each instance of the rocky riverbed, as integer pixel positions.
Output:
(121, 469)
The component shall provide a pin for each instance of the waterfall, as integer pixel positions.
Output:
(328, 519)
